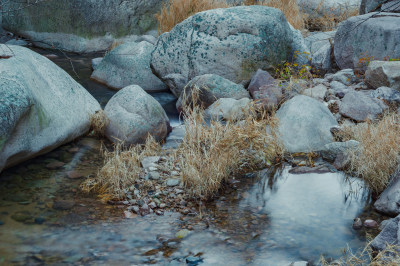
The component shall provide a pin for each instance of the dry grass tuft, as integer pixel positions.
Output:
(290, 9)
(376, 159)
(121, 169)
(212, 152)
(98, 123)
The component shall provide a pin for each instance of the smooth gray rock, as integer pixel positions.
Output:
(361, 107)
(41, 106)
(318, 40)
(318, 92)
(321, 47)
(133, 115)
(387, 94)
(389, 201)
(227, 109)
(96, 62)
(383, 73)
(211, 88)
(266, 90)
(304, 124)
(17, 42)
(331, 150)
(81, 25)
(129, 64)
(224, 42)
(388, 236)
(374, 35)
(172, 182)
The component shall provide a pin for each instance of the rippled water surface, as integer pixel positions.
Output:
(265, 218)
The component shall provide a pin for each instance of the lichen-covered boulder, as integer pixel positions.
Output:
(383, 73)
(133, 115)
(230, 42)
(304, 124)
(41, 106)
(129, 64)
(373, 35)
(80, 25)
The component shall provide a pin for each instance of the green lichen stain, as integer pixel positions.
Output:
(42, 118)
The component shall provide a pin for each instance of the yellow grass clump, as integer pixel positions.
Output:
(376, 158)
(98, 123)
(212, 151)
(121, 169)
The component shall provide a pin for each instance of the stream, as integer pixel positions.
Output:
(271, 217)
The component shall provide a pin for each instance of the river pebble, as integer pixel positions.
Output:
(63, 205)
(370, 223)
(172, 182)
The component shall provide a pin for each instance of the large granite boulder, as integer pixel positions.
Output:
(361, 107)
(379, 5)
(383, 73)
(229, 42)
(304, 124)
(129, 64)
(133, 115)
(390, 235)
(210, 88)
(41, 106)
(320, 45)
(373, 35)
(80, 25)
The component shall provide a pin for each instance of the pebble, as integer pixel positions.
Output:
(55, 165)
(182, 233)
(73, 150)
(51, 56)
(154, 175)
(152, 205)
(159, 212)
(129, 215)
(193, 260)
(39, 220)
(63, 205)
(370, 223)
(74, 174)
(162, 205)
(172, 182)
(357, 224)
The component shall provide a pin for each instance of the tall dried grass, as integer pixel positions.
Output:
(121, 169)
(212, 152)
(98, 123)
(376, 158)
(176, 11)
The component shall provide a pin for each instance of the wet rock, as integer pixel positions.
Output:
(191, 260)
(211, 88)
(384, 223)
(22, 217)
(227, 109)
(189, 49)
(55, 165)
(342, 161)
(96, 62)
(331, 150)
(129, 64)
(389, 201)
(383, 73)
(172, 182)
(1, 222)
(75, 175)
(360, 107)
(304, 124)
(388, 236)
(318, 92)
(63, 205)
(39, 220)
(357, 224)
(370, 223)
(134, 114)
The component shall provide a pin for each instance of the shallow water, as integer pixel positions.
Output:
(267, 218)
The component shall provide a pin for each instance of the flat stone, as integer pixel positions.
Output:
(150, 161)
(154, 175)
(318, 92)
(370, 223)
(172, 182)
(63, 205)
(74, 174)
(55, 165)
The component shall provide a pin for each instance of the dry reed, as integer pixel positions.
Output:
(376, 158)
(98, 123)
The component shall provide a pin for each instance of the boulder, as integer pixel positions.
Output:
(373, 35)
(318, 92)
(228, 109)
(388, 236)
(321, 49)
(345, 76)
(225, 42)
(304, 124)
(41, 106)
(388, 94)
(379, 5)
(388, 202)
(331, 150)
(383, 73)
(134, 115)
(129, 64)
(96, 62)
(361, 107)
(260, 79)
(318, 40)
(211, 88)
(81, 26)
